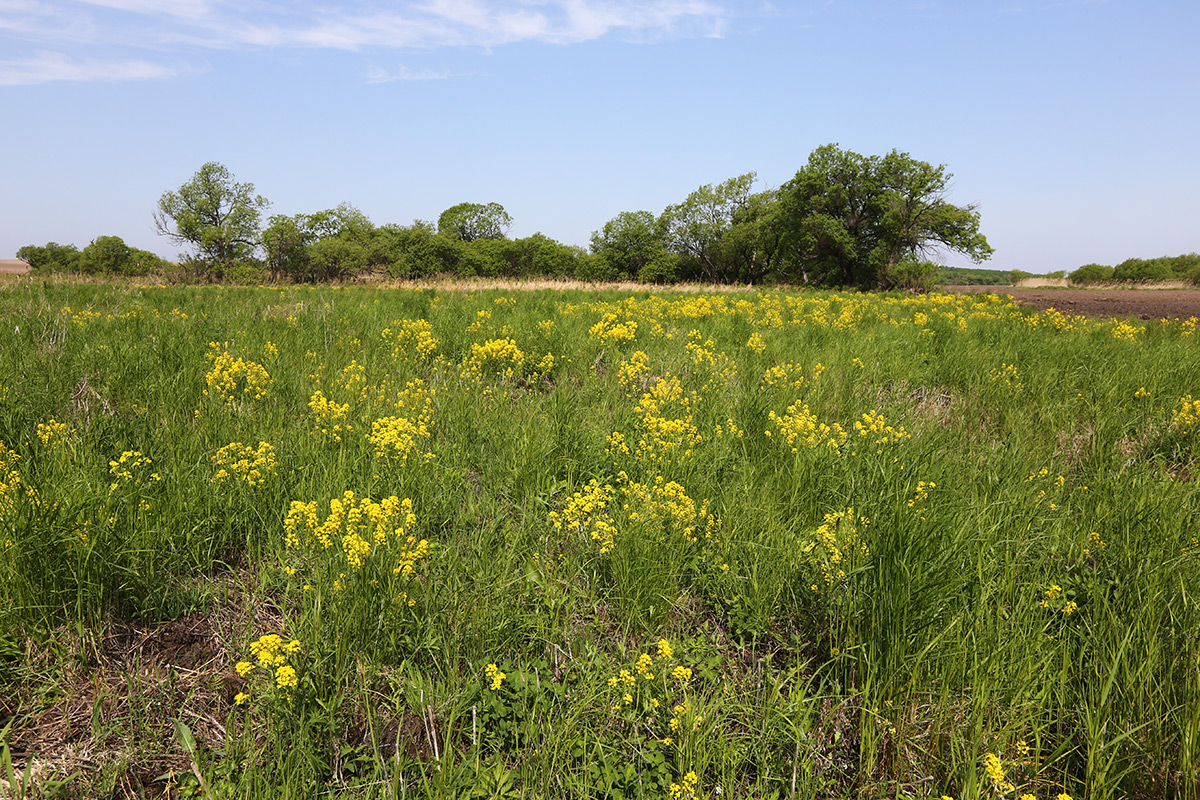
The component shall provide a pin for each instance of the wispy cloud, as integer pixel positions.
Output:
(50, 67)
(381, 75)
(126, 36)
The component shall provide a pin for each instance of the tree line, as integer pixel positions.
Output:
(845, 219)
(1141, 270)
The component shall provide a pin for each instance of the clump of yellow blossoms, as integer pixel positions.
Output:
(1186, 415)
(686, 788)
(495, 676)
(329, 417)
(373, 533)
(586, 511)
(231, 379)
(835, 546)
(411, 338)
(1007, 374)
(495, 358)
(401, 435)
(800, 427)
(131, 469)
(271, 655)
(237, 462)
(10, 479)
(610, 331)
(52, 431)
(665, 506)
(995, 773)
(756, 343)
(873, 427)
(666, 425)
(633, 372)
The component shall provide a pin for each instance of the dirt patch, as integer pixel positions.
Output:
(13, 266)
(1141, 303)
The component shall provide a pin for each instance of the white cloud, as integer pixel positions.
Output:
(381, 75)
(139, 26)
(50, 67)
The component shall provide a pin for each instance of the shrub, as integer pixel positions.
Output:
(1091, 274)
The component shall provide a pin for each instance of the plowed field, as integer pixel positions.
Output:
(1141, 303)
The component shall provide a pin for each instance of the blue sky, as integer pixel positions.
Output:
(1072, 124)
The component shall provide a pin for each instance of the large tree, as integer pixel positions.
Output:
(216, 215)
(853, 220)
(630, 245)
(470, 221)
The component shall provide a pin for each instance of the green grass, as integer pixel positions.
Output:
(1010, 571)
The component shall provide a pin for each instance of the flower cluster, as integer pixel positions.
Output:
(373, 533)
(495, 358)
(874, 428)
(1007, 374)
(1186, 415)
(329, 418)
(800, 427)
(131, 469)
(271, 658)
(920, 496)
(398, 436)
(52, 431)
(835, 547)
(633, 372)
(665, 506)
(610, 331)
(495, 676)
(239, 463)
(231, 379)
(411, 338)
(586, 512)
(666, 425)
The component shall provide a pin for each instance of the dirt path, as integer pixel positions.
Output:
(1142, 303)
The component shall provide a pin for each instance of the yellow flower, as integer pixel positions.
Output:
(285, 676)
(495, 676)
(244, 667)
(241, 698)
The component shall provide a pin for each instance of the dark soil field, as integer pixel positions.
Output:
(1141, 303)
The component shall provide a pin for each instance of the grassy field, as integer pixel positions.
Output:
(355, 542)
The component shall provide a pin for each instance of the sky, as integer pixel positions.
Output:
(1072, 125)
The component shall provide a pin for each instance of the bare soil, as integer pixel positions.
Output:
(1141, 303)
(13, 266)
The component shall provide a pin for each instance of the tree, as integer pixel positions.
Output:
(52, 257)
(470, 221)
(852, 220)
(214, 214)
(630, 245)
(697, 227)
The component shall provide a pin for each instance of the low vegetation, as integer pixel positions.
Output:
(352, 542)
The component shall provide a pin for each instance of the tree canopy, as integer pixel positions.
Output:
(852, 220)
(470, 221)
(216, 215)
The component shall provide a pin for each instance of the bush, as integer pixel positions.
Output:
(1142, 270)
(1090, 274)
(915, 276)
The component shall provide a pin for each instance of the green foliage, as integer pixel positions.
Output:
(468, 222)
(969, 276)
(215, 215)
(912, 275)
(51, 257)
(722, 233)
(630, 243)
(850, 220)
(1017, 275)
(1090, 274)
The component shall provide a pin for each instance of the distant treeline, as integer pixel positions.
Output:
(974, 276)
(1141, 270)
(844, 220)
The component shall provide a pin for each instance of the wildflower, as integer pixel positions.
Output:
(664, 650)
(240, 698)
(285, 677)
(494, 675)
(995, 772)
(244, 668)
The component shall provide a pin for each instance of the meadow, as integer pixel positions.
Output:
(363, 542)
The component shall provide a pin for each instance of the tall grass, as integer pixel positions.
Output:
(789, 545)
